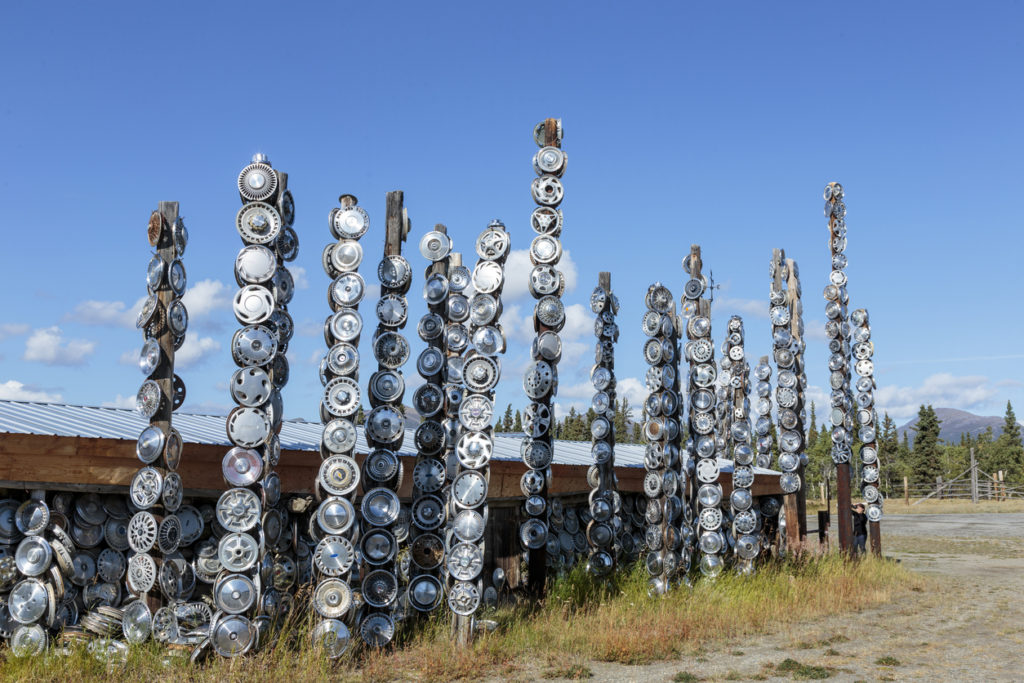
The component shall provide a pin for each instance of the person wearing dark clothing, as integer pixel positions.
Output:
(860, 529)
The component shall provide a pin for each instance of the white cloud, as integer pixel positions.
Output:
(12, 329)
(13, 390)
(300, 277)
(206, 296)
(633, 390)
(815, 329)
(517, 274)
(129, 358)
(115, 313)
(120, 402)
(941, 390)
(194, 351)
(48, 346)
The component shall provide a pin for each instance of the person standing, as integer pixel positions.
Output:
(860, 529)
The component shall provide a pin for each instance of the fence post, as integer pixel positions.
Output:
(821, 486)
(906, 491)
(974, 479)
(1002, 487)
(938, 487)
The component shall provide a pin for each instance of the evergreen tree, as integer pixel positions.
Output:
(506, 420)
(925, 463)
(517, 422)
(812, 429)
(1007, 453)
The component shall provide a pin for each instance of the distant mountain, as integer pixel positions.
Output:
(955, 422)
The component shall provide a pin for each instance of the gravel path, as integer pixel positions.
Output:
(971, 628)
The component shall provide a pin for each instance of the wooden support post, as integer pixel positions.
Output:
(875, 532)
(821, 486)
(906, 491)
(538, 557)
(844, 511)
(938, 487)
(796, 329)
(974, 478)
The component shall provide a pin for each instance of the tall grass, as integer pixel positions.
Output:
(582, 619)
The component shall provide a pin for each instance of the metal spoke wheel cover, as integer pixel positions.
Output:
(387, 386)
(168, 535)
(253, 345)
(428, 512)
(148, 399)
(237, 552)
(28, 601)
(392, 310)
(425, 593)
(378, 546)
(380, 588)
(339, 475)
(536, 454)
(380, 507)
(474, 449)
(28, 641)
(427, 551)
(257, 182)
(253, 304)
(332, 636)
(136, 622)
(492, 244)
(488, 277)
(538, 380)
(33, 556)
(238, 509)
(255, 264)
(258, 223)
(465, 561)
(391, 350)
(434, 246)
(547, 190)
(141, 574)
(430, 438)
(233, 635)
(385, 425)
(32, 517)
(349, 223)
(428, 475)
(150, 444)
(335, 515)
(142, 532)
(377, 629)
(332, 598)
(533, 534)
(248, 427)
(550, 312)
(381, 466)
(745, 522)
(707, 470)
(341, 397)
(481, 373)
(242, 467)
(339, 436)
(394, 272)
(469, 489)
(235, 593)
(111, 565)
(463, 598)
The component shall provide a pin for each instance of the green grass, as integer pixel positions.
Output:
(887, 660)
(803, 672)
(582, 621)
(685, 677)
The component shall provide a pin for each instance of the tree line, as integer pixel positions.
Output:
(921, 459)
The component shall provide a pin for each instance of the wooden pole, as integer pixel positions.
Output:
(906, 490)
(974, 478)
(796, 329)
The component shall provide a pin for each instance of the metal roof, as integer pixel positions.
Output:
(60, 419)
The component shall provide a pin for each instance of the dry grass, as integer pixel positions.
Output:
(581, 621)
(932, 506)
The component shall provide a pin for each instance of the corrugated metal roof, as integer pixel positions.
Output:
(59, 419)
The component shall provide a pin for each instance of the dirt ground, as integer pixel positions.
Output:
(970, 628)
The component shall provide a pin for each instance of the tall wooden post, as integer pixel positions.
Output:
(974, 478)
(836, 310)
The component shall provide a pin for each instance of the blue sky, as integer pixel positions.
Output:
(684, 123)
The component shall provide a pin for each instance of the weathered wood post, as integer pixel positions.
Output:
(974, 478)
(548, 317)
(837, 298)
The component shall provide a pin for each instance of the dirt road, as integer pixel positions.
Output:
(970, 628)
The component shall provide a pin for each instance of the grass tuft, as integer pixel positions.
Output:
(685, 677)
(887, 660)
(582, 620)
